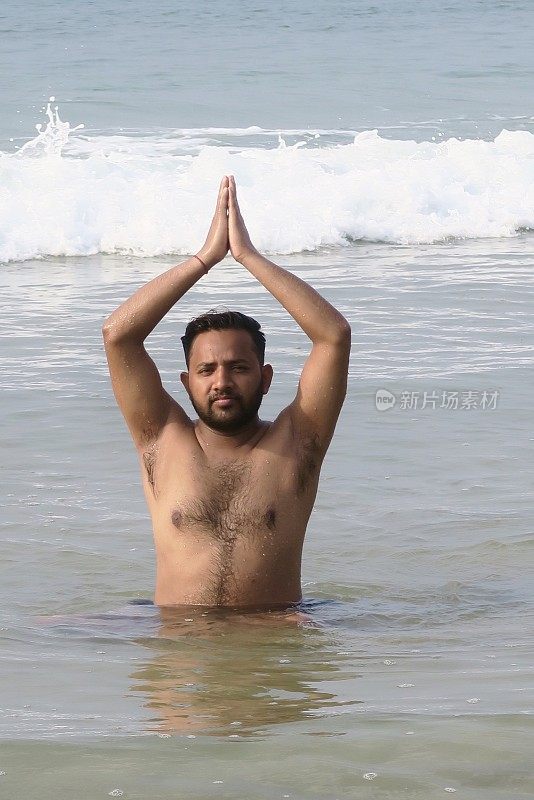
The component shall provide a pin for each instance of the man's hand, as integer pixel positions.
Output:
(240, 244)
(216, 245)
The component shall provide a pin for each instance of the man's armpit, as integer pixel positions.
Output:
(149, 457)
(309, 458)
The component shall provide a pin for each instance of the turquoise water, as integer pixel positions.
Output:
(465, 66)
(385, 154)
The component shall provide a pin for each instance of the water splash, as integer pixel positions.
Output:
(51, 139)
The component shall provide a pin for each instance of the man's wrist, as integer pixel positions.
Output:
(205, 266)
(207, 261)
(247, 256)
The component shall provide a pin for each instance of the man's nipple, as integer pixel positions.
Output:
(176, 518)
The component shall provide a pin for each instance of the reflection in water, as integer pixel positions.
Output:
(233, 673)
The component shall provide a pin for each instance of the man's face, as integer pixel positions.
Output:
(225, 381)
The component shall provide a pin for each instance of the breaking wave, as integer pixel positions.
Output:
(67, 192)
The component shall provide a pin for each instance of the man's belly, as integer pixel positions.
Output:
(195, 570)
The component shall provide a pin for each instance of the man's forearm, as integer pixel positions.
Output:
(318, 319)
(139, 315)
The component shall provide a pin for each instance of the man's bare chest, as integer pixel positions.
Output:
(253, 497)
(226, 500)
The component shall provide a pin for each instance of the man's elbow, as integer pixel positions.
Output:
(115, 335)
(110, 331)
(107, 329)
(342, 335)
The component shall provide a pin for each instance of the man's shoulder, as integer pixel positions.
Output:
(178, 427)
(298, 440)
(177, 416)
(297, 451)
(277, 430)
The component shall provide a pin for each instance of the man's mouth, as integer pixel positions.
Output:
(223, 402)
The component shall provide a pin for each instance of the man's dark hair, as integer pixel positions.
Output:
(224, 321)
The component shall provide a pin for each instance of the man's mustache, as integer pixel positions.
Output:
(223, 397)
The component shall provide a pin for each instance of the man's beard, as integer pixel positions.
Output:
(234, 419)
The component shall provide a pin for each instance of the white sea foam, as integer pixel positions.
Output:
(67, 193)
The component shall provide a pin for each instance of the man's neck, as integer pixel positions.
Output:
(221, 442)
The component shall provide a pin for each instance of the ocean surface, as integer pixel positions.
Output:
(384, 152)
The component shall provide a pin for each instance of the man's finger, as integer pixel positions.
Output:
(233, 195)
(231, 187)
(223, 183)
(222, 199)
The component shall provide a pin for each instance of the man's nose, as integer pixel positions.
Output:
(222, 378)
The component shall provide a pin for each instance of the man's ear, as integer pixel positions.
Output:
(266, 377)
(184, 377)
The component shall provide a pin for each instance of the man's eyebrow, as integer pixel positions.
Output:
(229, 361)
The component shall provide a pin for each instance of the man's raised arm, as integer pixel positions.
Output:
(323, 382)
(136, 381)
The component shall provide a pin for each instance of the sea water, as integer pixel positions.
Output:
(383, 153)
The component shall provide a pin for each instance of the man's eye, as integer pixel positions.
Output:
(240, 368)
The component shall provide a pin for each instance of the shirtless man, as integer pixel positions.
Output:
(230, 495)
